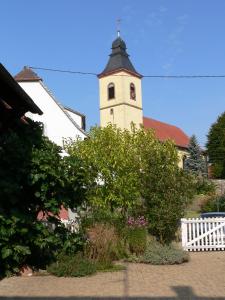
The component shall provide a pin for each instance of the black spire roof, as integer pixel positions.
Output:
(119, 59)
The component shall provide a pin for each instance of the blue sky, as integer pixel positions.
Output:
(163, 38)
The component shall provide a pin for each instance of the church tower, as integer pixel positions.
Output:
(120, 90)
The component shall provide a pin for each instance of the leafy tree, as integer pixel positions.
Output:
(33, 179)
(195, 161)
(128, 169)
(111, 167)
(165, 188)
(216, 147)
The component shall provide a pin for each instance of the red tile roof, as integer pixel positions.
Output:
(63, 214)
(164, 131)
(27, 75)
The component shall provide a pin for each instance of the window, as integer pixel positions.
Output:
(183, 160)
(132, 92)
(111, 91)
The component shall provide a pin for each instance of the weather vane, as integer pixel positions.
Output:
(118, 23)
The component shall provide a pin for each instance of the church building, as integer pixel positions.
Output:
(121, 100)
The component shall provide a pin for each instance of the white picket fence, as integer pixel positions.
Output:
(203, 234)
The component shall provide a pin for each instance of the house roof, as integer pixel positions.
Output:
(119, 60)
(63, 109)
(164, 131)
(27, 74)
(74, 111)
(83, 117)
(15, 97)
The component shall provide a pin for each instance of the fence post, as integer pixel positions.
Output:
(184, 233)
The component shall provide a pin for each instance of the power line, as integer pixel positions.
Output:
(185, 76)
(145, 76)
(63, 71)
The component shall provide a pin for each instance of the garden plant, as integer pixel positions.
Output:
(123, 185)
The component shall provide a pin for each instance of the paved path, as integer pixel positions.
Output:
(202, 278)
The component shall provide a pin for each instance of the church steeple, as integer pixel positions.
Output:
(120, 90)
(119, 59)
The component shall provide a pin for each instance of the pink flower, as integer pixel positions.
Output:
(139, 222)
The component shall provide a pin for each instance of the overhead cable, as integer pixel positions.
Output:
(145, 76)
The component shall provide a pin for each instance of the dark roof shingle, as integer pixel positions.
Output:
(119, 59)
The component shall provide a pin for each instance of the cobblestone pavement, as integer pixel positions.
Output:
(202, 278)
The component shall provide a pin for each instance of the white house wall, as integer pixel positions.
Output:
(57, 124)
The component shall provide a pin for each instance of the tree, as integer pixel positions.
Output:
(128, 169)
(195, 161)
(33, 178)
(111, 167)
(216, 147)
(165, 188)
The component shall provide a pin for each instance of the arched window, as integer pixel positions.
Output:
(111, 91)
(132, 92)
(183, 161)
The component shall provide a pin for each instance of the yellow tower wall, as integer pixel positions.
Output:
(122, 110)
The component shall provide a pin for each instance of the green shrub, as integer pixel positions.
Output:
(73, 242)
(214, 204)
(33, 179)
(133, 258)
(72, 266)
(24, 243)
(204, 186)
(136, 239)
(158, 254)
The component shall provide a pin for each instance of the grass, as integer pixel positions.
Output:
(192, 214)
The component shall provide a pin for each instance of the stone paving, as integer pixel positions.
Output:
(202, 278)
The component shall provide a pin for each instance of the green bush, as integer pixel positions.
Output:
(136, 239)
(214, 204)
(26, 242)
(33, 179)
(204, 186)
(72, 266)
(165, 188)
(158, 254)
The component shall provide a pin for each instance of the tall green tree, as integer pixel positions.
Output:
(195, 162)
(33, 179)
(216, 147)
(108, 157)
(165, 188)
(125, 169)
